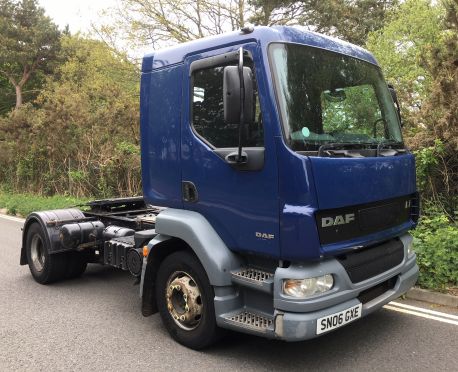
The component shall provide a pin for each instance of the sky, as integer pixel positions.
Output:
(78, 14)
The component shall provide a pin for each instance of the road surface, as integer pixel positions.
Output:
(94, 324)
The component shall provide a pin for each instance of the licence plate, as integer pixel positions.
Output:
(339, 319)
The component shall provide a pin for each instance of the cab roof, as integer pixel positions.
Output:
(263, 35)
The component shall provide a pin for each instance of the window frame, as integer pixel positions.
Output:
(281, 114)
(220, 60)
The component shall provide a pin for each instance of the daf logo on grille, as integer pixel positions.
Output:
(337, 220)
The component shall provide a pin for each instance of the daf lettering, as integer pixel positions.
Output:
(264, 235)
(337, 220)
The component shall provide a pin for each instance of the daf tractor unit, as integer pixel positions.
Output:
(278, 193)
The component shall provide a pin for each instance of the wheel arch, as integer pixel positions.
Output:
(185, 230)
(50, 232)
(31, 219)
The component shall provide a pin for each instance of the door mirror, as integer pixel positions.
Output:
(232, 99)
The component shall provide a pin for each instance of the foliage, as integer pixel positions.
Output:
(29, 43)
(418, 49)
(427, 162)
(23, 204)
(82, 138)
(442, 106)
(350, 20)
(436, 246)
(164, 22)
(441, 109)
(401, 46)
(7, 95)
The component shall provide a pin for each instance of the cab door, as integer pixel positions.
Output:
(241, 203)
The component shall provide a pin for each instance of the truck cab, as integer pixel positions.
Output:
(278, 192)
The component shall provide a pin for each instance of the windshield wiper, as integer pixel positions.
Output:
(339, 148)
(342, 149)
(326, 146)
(391, 151)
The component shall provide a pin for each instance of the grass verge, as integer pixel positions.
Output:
(22, 204)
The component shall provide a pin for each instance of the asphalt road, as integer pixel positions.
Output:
(94, 323)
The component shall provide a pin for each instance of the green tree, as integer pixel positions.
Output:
(402, 46)
(442, 104)
(441, 111)
(29, 43)
(164, 22)
(350, 20)
(80, 136)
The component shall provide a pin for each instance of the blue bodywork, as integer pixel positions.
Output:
(280, 199)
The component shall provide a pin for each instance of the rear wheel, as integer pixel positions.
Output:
(185, 301)
(47, 268)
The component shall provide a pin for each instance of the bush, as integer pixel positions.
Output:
(436, 245)
(81, 135)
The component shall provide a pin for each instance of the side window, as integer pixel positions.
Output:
(208, 112)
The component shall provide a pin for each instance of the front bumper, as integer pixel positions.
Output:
(296, 320)
(302, 326)
(248, 306)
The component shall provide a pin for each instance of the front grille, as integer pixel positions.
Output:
(371, 293)
(337, 225)
(371, 261)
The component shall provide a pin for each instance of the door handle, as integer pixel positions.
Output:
(189, 192)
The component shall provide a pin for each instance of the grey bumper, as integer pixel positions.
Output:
(291, 326)
(296, 319)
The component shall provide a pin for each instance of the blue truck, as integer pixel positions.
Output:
(278, 192)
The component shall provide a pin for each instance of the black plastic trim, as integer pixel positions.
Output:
(255, 158)
(372, 261)
(336, 225)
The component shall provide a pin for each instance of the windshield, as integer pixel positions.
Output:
(330, 98)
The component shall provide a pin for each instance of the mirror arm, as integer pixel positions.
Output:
(240, 157)
(394, 96)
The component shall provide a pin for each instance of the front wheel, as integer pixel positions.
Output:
(185, 301)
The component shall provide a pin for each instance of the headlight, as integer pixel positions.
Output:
(307, 287)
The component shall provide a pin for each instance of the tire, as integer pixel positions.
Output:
(45, 268)
(199, 330)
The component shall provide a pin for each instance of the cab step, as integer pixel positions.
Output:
(249, 320)
(254, 278)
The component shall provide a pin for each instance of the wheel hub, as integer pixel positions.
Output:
(37, 253)
(184, 301)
